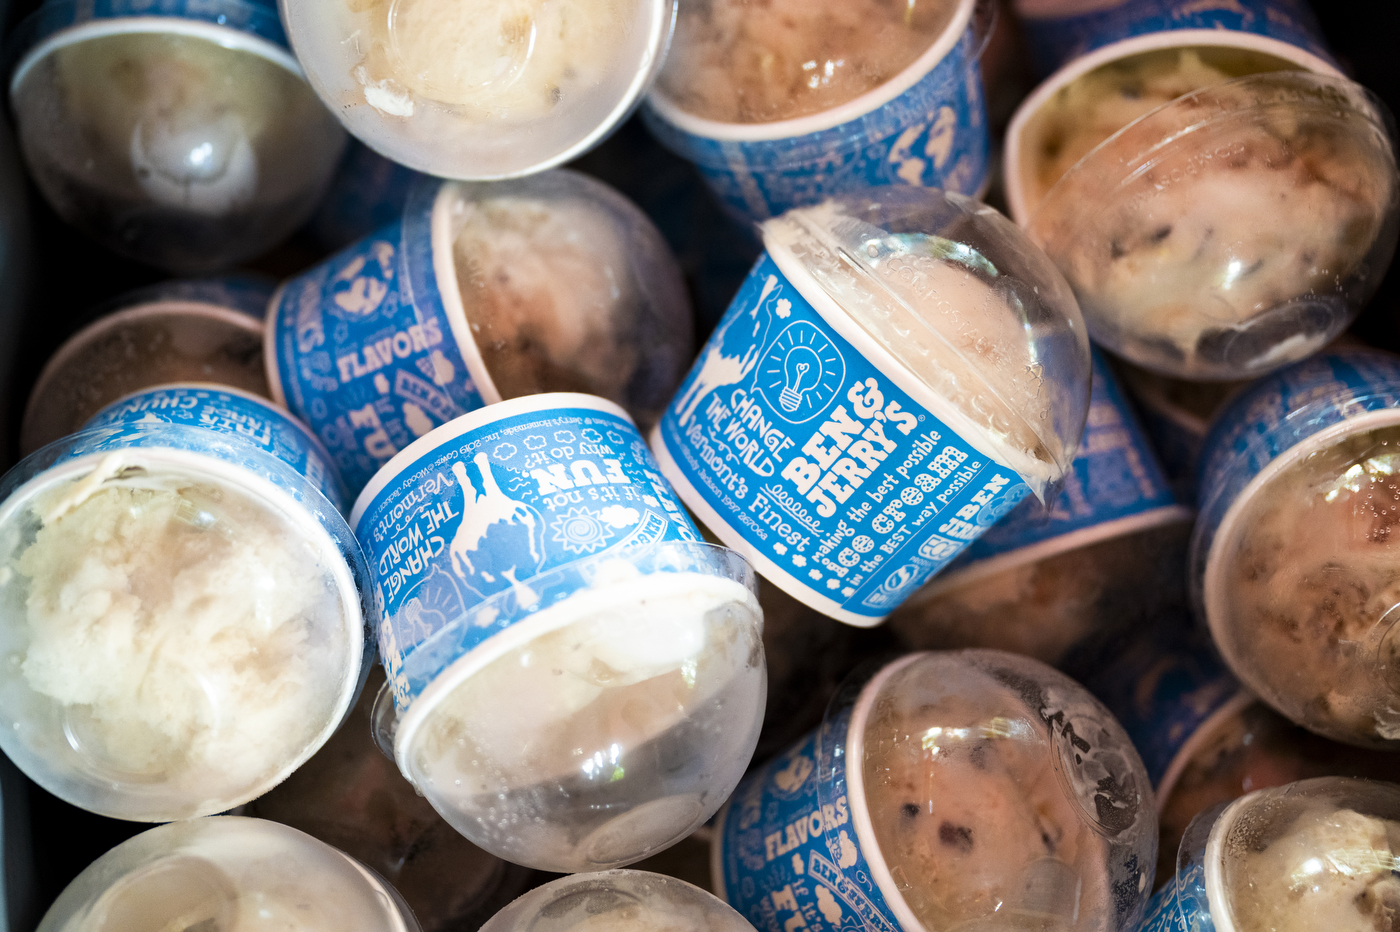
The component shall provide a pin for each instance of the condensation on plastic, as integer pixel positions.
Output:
(968, 304)
(486, 90)
(229, 873)
(1180, 237)
(988, 790)
(618, 901)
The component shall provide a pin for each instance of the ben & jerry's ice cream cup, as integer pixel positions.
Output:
(619, 901)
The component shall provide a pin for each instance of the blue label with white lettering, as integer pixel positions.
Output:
(1115, 476)
(500, 514)
(255, 18)
(789, 858)
(361, 349)
(802, 455)
(224, 413)
(932, 135)
(1055, 41)
(1281, 410)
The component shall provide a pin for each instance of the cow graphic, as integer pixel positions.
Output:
(499, 543)
(732, 353)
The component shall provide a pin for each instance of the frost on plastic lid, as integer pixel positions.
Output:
(617, 901)
(743, 61)
(481, 89)
(1319, 854)
(1181, 236)
(960, 296)
(998, 793)
(227, 873)
(189, 141)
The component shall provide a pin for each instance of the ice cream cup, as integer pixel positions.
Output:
(854, 423)
(181, 133)
(957, 742)
(1308, 444)
(1242, 865)
(225, 872)
(481, 93)
(481, 292)
(182, 600)
(1041, 580)
(548, 605)
(926, 127)
(1175, 230)
(367, 192)
(200, 330)
(623, 901)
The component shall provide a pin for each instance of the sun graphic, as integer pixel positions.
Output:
(580, 531)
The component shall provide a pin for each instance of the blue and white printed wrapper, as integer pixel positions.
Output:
(1278, 421)
(491, 523)
(848, 495)
(371, 348)
(367, 193)
(1115, 487)
(786, 852)
(926, 127)
(1071, 47)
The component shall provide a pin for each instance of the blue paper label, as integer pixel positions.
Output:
(801, 454)
(934, 135)
(1054, 42)
(256, 18)
(1180, 906)
(363, 351)
(1115, 475)
(225, 413)
(1281, 410)
(500, 515)
(789, 861)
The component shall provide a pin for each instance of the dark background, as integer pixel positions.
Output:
(70, 275)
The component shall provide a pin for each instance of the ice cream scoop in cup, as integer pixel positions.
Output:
(617, 901)
(189, 141)
(481, 90)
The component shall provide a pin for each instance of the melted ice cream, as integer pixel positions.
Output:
(186, 633)
(1307, 588)
(758, 61)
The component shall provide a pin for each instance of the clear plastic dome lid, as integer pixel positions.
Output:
(998, 794)
(175, 141)
(1319, 854)
(181, 633)
(231, 874)
(558, 283)
(959, 296)
(1300, 587)
(482, 89)
(618, 901)
(743, 61)
(1231, 231)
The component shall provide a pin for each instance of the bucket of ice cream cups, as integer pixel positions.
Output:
(1165, 174)
(1291, 558)
(947, 790)
(495, 90)
(1315, 854)
(482, 292)
(199, 330)
(1043, 579)
(577, 679)
(622, 900)
(228, 872)
(178, 133)
(898, 371)
(182, 600)
(772, 127)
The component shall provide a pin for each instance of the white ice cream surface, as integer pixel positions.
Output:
(970, 813)
(1332, 869)
(550, 295)
(1307, 584)
(186, 633)
(496, 60)
(759, 61)
(959, 335)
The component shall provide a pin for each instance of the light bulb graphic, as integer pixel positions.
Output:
(802, 369)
